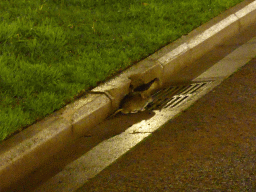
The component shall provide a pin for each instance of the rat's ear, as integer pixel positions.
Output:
(131, 88)
(144, 95)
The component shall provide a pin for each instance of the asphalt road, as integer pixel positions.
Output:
(209, 147)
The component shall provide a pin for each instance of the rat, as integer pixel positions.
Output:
(137, 101)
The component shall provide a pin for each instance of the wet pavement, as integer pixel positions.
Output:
(209, 147)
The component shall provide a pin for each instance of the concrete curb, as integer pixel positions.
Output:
(26, 151)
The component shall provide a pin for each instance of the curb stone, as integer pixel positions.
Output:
(27, 150)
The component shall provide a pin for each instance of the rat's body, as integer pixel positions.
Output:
(137, 101)
(134, 103)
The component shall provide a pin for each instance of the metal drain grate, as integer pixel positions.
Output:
(175, 95)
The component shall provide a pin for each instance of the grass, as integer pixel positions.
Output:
(54, 50)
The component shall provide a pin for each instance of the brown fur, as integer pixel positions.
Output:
(137, 101)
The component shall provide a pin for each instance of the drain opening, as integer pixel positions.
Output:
(173, 96)
(176, 101)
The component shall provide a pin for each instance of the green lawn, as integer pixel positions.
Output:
(54, 50)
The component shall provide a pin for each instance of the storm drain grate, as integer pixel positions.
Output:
(175, 95)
